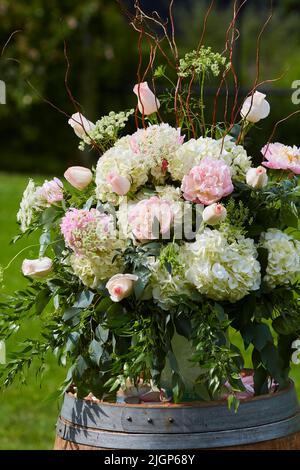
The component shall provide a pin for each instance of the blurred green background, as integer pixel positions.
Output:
(37, 141)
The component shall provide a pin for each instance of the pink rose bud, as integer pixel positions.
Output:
(78, 176)
(257, 177)
(120, 184)
(214, 214)
(81, 125)
(255, 107)
(207, 182)
(37, 268)
(120, 286)
(147, 101)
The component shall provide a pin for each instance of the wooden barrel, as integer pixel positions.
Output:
(265, 422)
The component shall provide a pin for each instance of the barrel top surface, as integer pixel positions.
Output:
(194, 417)
(192, 404)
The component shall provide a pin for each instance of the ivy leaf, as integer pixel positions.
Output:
(45, 240)
(101, 334)
(72, 341)
(72, 314)
(88, 204)
(80, 367)
(143, 278)
(95, 351)
(273, 363)
(173, 361)
(257, 333)
(104, 304)
(48, 216)
(116, 316)
(183, 326)
(42, 300)
(289, 215)
(84, 299)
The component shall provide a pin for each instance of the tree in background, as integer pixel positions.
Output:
(102, 50)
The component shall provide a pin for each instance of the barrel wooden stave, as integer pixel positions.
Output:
(266, 422)
(286, 443)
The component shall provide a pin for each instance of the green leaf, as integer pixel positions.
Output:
(289, 215)
(143, 278)
(116, 316)
(84, 299)
(45, 240)
(72, 314)
(88, 204)
(183, 326)
(104, 304)
(48, 216)
(102, 333)
(80, 367)
(173, 361)
(72, 341)
(42, 300)
(95, 351)
(273, 363)
(257, 333)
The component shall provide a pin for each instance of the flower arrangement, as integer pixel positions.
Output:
(175, 233)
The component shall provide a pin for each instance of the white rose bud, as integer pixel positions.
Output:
(214, 214)
(78, 176)
(257, 177)
(255, 107)
(37, 268)
(120, 286)
(81, 125)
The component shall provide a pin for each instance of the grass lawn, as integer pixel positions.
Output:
(27, 420)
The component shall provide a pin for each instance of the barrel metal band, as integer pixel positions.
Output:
(202, 440)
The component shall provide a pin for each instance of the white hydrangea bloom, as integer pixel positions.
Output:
(165, 286)
(222, 270)
(95, 268)
(157, 144)
(192, 152)
(169, 193)
(283, 258)
(124, 162)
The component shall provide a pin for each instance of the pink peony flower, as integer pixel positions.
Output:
(150, 218)
(120, 184)
(147, 101)
(282, 157)
(207, 182)
(82, 228)
(50, 192)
